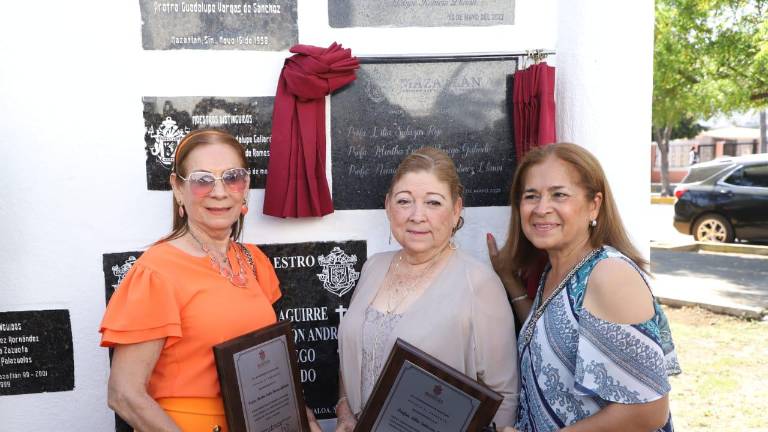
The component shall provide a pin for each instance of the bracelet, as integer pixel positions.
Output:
(339, 401)
(519, 298)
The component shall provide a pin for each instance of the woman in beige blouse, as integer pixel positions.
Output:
(429, 293)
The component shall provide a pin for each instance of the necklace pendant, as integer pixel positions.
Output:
(225, 271)
(239, 280)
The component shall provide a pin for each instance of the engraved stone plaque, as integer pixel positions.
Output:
(397, 105)
(263, 25)
(36, 352)
(168, 119)
(420, 13)
(317, 281)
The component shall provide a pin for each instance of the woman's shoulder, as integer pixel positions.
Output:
(478, 273)
(472, 263)
(164, 258)
(256, 251)
(155, 254)
(617, 290)
(380, 258)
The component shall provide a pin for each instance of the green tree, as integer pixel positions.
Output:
(710, 56)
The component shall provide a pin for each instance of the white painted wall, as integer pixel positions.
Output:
(72, 75)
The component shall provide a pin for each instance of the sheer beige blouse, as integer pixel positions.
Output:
(463, 318)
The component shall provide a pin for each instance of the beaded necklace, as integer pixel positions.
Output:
(539, 310)
(223, 265)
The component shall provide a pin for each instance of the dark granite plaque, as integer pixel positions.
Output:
(168, 119)
(420, 13)
(397, 105)
(317, 281)
(115, 266)
(264, 25)
(36, 352)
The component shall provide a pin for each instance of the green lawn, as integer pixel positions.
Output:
(724, 384)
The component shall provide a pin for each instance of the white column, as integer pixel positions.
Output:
(604, 89)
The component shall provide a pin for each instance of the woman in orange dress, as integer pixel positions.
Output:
(195, 288)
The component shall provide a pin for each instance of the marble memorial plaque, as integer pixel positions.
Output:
(397, 105)
(263, 25)
(317, 281)
(420, 13)
(168, 119)
(36, 352)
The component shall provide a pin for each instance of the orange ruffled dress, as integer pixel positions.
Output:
(169, 294)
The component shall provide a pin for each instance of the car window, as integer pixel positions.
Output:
(753, 176)
(698, 174)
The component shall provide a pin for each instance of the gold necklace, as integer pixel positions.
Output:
(222, 265)
(401, 286)
(394, 284)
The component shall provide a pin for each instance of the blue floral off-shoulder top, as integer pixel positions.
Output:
(575, 363)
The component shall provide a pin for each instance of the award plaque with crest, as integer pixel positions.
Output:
(259, 380)
(419, 393)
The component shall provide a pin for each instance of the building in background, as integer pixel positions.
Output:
(711, 144)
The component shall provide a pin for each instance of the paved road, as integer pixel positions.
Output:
(711, 278)
(721, 279)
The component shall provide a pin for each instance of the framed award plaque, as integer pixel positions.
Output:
(417, 392)
(259, 380)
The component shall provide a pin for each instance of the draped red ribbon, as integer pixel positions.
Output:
(533, 105)
(296, 181)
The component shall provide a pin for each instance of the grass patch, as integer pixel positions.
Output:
(724, 384)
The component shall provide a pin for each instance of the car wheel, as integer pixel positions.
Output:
(713, 228)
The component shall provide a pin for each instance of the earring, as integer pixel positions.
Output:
(181, 211)
(593, 223)
(244, 208)
(390, 237)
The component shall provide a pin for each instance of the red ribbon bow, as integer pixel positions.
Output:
(296, 181)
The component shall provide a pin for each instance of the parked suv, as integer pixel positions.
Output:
(724, 199)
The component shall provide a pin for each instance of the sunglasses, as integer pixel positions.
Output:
(201, 183)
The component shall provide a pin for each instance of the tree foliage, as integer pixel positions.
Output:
(710, 56)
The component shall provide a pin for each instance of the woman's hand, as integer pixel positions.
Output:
(507, 429)
(314, 426)
(508, 276)
(345, 419)
(345, 425)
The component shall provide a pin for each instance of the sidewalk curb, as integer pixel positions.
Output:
(712, 247)
(662, 200)
(736, 311)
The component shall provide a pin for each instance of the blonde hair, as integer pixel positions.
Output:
(520, 254)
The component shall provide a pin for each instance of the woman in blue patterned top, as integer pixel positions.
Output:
(595, 350)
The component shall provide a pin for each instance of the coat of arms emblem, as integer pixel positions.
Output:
(339, 275)
(374, 92)
(167, 137)
(119, 271)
